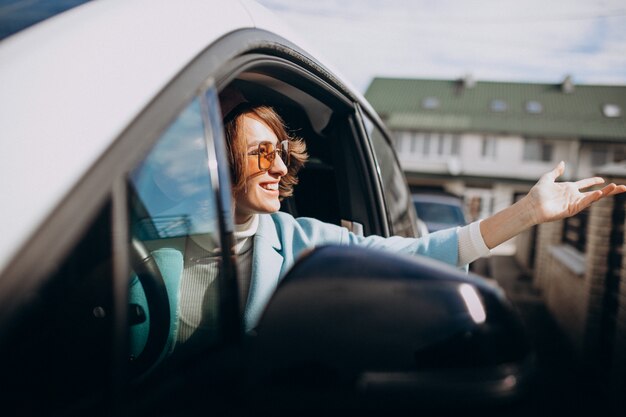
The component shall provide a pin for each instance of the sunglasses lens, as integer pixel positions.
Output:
(266, 155)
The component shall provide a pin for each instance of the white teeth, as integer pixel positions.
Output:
(272, 186)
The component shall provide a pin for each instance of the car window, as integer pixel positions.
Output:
(174, 291)
(59, 346)
(440, 213)
(396, 192)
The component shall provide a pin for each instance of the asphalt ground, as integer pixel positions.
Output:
(563, 387)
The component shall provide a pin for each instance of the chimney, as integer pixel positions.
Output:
(465, 83)
(468, 81)
(567, 86)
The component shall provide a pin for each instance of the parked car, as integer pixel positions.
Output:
(439, 211)
(113, 153)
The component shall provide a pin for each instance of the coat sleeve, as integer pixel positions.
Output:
(441, 245)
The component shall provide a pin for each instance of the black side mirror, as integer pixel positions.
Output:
(353, 328)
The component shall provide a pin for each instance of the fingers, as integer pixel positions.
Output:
(619, 189)
(589, 198)
(613, 189)
(556, 172)
(588, 182)
(608, 190)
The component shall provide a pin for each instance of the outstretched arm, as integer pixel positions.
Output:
(547, 201)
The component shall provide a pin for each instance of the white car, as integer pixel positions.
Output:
(112, 145)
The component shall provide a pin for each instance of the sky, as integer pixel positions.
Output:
(491, 40)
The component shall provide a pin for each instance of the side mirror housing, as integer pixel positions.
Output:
(352, 327)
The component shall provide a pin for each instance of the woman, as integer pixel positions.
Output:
(264, 164)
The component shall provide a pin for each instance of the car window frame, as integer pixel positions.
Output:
(370, 205)
(364, 115)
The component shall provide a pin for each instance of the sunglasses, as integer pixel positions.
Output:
(266, 154)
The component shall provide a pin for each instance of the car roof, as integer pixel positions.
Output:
(71, 85)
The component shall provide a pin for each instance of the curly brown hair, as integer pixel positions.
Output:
(237, 148)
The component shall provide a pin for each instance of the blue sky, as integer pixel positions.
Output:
(504, 40)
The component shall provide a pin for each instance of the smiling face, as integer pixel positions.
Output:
(261, 192)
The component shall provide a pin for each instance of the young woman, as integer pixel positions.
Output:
(265, 160)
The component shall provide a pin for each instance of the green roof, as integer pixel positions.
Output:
(459, 108)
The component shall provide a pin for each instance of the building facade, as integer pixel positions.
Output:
(490, 141)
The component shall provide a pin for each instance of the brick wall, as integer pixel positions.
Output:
(618, 366)
(524, 249)
(596, 256)
(573, 283)
(548, 234)
(577, 290)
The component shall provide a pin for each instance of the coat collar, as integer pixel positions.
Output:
(268, 232)
(267, 265)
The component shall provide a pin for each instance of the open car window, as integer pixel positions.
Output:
(336, 185)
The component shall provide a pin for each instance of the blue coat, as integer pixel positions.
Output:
(281, 238)
(278, 242)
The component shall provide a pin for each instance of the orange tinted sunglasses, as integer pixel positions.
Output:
(266, 154)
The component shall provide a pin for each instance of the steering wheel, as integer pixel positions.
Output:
(151, 280)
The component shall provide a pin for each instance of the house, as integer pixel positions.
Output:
(490, 141)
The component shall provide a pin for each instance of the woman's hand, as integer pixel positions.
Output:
(550, 200)
(547, 201)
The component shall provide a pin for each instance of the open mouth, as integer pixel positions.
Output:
(271, 186)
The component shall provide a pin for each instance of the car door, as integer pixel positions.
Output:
(88, 305)
(101, 316)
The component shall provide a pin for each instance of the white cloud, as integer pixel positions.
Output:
(533, 40)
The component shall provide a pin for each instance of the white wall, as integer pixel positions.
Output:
(506, 162)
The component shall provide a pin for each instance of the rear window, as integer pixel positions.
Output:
(439, 213)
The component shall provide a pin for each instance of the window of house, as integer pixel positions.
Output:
(441, 145)
(431, 103)
(619, 153)
(488, 148)
(599, 156)
(417, 143)
(534, 107)
(436, 144)
(537, 150)
(455, 145)
(498, 105)
(611, 110)
(426, 144)
(575, 230)
(602, 154)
